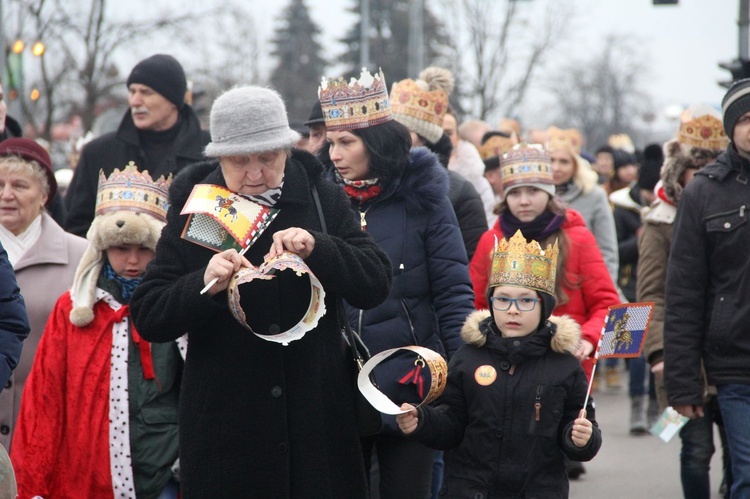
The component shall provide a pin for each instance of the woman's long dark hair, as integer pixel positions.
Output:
(388, 146)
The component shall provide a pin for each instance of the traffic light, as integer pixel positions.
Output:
(665, 2)
(739, 68)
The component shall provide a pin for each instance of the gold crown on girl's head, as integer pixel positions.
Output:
(518, 263)
(358, 104)
(131, 190)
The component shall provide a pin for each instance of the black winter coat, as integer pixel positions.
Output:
(14, 322)
(507, 413)
(469, 210)
(627, 215)
(413, 222)
(258, 419)
(708, 282)
(116, 150)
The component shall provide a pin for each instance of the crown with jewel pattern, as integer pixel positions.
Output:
(705, 131)
(527, 165)
(518, 263)
(419, 109)
(131, 190)
(358, 104)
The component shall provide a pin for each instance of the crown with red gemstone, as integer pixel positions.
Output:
(131, 190)
(420, 109)
(518, 263)
(706, 132)
(358, 104)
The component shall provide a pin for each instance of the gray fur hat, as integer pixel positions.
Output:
(249, 120)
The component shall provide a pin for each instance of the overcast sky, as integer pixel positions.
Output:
(684, 43)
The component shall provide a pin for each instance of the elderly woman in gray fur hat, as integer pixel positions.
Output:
(99, 397)
(258, 417)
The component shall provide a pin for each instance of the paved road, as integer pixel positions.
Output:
(633, 467)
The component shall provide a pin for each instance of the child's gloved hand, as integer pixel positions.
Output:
(408, 421)
(582, 429)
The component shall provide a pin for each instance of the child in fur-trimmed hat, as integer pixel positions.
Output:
(99, 397)
(513, 405)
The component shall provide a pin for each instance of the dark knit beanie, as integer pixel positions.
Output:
(623, 158)
(648, 175)
(164, 74)
(736, 102)
(492, 163)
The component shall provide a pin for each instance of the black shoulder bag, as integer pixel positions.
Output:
(369, 420)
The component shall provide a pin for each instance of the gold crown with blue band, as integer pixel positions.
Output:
(131, 190)
(518, 263)
(358, 104)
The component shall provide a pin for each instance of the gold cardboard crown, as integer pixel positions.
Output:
(569, 139)
(706, 132)
(358, 104)
(518, 263)
(409, 98)
(497, 146)
(621, 141)
(131, 190)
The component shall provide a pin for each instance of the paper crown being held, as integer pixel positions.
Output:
(131, 208)
(360, 103)
(518, 263)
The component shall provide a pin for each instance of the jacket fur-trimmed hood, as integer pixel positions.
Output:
(679, 157)
(566, 337)
(424, 183)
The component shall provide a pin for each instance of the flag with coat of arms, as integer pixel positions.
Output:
(624, 331)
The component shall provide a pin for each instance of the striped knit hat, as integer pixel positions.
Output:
(736, 102)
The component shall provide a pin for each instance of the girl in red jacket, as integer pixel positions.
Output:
(583, 288)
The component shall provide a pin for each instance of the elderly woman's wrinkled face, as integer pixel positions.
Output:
(254, 173)
(22, 196)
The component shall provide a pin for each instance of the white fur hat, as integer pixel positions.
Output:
(139, 220)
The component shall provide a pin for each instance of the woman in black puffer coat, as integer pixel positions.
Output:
(400, 195)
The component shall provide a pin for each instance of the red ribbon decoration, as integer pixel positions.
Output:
(144, 347)
(413, 377)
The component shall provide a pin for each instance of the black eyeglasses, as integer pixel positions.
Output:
(502, 303)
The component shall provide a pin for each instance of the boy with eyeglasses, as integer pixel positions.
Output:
(513, 406)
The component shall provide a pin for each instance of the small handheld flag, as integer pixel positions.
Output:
(624, 331)
(623, 334)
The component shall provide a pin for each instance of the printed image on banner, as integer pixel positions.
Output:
(625, 330)
(242, 219)
(207, 232)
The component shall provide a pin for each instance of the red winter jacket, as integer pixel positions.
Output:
(587, 303)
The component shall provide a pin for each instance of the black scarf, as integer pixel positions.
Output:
(538, 229)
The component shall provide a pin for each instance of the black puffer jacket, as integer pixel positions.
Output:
(115, 150)
(500, 446)
(258, 419)
(708, 282)
(14, 323)
(469, 210)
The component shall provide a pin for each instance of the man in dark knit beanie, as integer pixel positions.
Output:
(707, 315)
(159, 133)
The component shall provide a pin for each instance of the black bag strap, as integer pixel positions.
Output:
(359, 350)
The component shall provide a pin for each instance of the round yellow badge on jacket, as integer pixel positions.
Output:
(485, 375)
